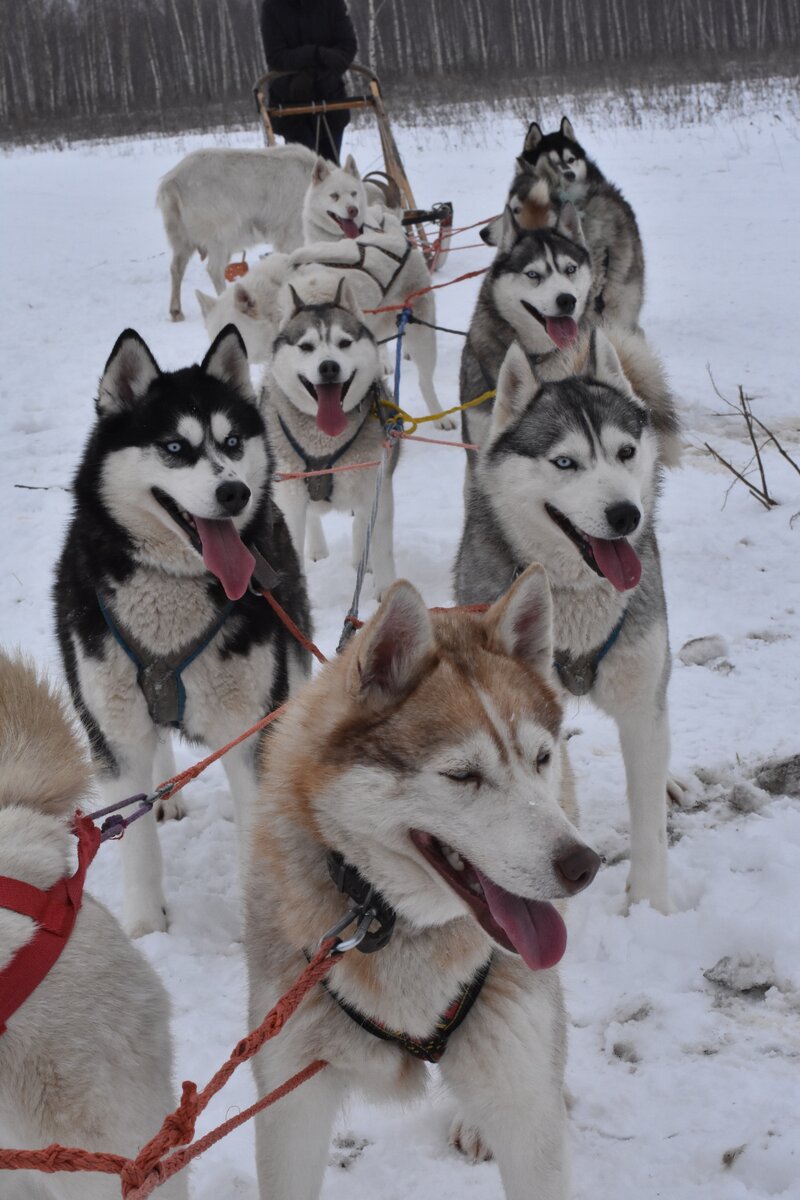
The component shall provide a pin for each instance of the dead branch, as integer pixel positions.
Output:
(766, 500)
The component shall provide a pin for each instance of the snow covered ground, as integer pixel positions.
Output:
(684, 1087)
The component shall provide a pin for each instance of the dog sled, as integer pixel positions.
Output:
(428, 228)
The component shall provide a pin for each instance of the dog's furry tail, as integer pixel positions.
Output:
(42, 761)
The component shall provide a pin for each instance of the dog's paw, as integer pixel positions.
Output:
(146, 918)
(177, 316)
(445, 423)
(677, 790)
(173, 809)
(467, 1140)
(644, 893)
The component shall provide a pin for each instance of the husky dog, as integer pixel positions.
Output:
(252, 304)
(379, 260)
(569, 477)
(322, 394)
(174, 516)
(426, 761)
(609, 222)
(535, 293)
(219, 201)
(73, 1069)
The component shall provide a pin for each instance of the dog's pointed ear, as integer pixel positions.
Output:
(320, 171)
(128, 374)
(603, 364)
(509, 231)
(532, 138)
(345, 298)
(524, 167)
(567, 131)
(350, 166)
(516, 386)
(521, 622)
(205, 301)
(298, 303)
(226, 360)
(245, 302)
(569, 223)
(394, 649)
(491, 232)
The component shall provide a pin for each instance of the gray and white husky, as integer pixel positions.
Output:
(321, 397)
(534, 293)
(569, 477)
(609, 222)
(157, 623)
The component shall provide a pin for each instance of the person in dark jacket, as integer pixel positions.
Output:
(315, 40)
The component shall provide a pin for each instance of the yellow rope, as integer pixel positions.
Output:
(413, 422)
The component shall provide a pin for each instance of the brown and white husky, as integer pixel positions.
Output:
(428, 759)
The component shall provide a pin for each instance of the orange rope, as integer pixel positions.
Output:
(416, 437)
(140, 1176)
(296, 633)
(282, 476)
(176, 782)
(432, 287)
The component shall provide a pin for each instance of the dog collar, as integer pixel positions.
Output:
(54, 911)
(370, 903)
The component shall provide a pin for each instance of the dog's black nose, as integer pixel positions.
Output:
(623, 517)
(570, 176)
(233, 496)
(329, 371)
(566, 303)
(577, 868)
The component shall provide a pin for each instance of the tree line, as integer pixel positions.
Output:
(88, 59)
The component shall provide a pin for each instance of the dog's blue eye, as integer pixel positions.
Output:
(563, 463)
(232, 441)
(570, 270)
(533, 275)
(173, 447)
(626, 452)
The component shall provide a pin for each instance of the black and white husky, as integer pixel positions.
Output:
(157, 624)
(609, 222)
(534, 293)
(569, 477)
(322, 400)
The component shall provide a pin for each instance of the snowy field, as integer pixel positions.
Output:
(685, 1088)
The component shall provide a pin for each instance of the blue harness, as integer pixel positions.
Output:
(159, 675)
(578, 674)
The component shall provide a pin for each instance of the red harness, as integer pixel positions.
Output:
(54, 911)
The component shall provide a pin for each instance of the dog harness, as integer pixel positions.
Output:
(159, 675)
(579, 673)
(400, 259)
(54, 912)
(368, 901)
(320, 487)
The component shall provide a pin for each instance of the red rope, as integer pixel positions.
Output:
(140, 1176)
(296, 633)
(432, 287)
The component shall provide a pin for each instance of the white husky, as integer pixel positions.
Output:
(426, 761)
(86, 1059)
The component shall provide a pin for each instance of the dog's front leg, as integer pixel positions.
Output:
(293, 1136)
(144, 906)
(505, 1067)
(292, 499)
(644, 738)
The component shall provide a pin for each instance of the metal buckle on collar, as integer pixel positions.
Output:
(369, 908)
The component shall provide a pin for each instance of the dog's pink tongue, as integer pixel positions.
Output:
(226, 555)
(331, 418)
(618, 561)
(349, 227)
(562, 330)
(534, 927)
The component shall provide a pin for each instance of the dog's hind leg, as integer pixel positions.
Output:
(421, 342)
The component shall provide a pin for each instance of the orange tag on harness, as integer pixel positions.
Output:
(236, 271)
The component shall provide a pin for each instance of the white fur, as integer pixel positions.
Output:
(219, 201)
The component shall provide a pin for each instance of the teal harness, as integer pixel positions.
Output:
(159, 675)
